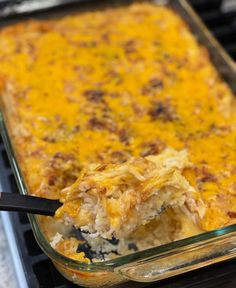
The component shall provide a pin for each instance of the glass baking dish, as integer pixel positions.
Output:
(158, 262)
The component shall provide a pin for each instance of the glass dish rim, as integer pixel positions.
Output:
(109, 265)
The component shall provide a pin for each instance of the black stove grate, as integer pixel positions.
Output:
(221, 24)
(39, 270)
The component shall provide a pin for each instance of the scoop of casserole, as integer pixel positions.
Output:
(113, 200)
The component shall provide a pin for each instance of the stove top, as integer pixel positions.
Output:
(35, 265)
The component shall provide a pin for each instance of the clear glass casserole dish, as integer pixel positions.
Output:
(158, 262)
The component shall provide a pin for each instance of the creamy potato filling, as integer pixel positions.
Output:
(113, 200)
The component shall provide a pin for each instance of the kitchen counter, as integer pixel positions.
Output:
(7, 273)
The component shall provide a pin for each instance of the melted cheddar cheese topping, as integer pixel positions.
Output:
(106, 85)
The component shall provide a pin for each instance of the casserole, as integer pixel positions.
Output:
(151, 264)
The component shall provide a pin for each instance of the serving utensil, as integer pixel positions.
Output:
(28, 204)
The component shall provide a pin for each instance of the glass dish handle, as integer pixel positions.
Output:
(181, 260)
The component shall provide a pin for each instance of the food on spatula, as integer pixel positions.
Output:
(113, 200)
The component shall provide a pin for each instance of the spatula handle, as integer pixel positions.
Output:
(28, 204)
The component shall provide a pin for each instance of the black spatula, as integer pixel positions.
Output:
(28, 204)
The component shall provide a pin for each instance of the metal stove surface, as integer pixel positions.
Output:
(34, 269)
